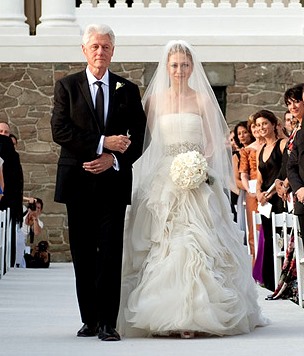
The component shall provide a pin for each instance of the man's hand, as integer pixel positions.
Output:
(300, 195)
(44, 256)
(117, 143)
(263, 197)
(31, 216)
(100, 164)
(281, 189)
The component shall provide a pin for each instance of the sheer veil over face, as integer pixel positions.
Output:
(180, 87)
(181, 237)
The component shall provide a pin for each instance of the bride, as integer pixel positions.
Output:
(186, 270)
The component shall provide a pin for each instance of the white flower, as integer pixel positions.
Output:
(119, 85)
(188, 170)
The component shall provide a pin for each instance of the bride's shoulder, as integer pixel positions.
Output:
(157, 98)
(203, 101)
(202, 98)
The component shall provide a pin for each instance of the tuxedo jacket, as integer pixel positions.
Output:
(13, 179)
(75, 128)
(295, 168)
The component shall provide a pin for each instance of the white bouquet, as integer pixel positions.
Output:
(188, 170)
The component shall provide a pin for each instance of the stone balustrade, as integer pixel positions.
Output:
(221, 30)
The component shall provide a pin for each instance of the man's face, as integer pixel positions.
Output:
(98, 52)
(288, 122)
(38, 208)
(296, 108)
(4, 129)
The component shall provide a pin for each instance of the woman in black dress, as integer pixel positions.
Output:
(269, 159)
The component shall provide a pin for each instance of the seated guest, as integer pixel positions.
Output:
(39, 257)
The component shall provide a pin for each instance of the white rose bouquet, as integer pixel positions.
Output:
(188, 170)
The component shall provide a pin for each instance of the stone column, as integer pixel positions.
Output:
(12, 18)
(58, 18)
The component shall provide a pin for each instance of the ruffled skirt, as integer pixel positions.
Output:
(185, 265)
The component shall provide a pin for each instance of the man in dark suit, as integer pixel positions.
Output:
(295, 174)
(295, 169)
(94, 177)
(13, 184)
(293, 100)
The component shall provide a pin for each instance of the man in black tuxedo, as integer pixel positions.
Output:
(13, 186)
(94, 177)
(293, 98)
(295, 167)
(295, 174)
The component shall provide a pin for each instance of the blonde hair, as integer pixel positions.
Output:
(180, 47)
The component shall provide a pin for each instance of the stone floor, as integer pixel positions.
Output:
(39, 316)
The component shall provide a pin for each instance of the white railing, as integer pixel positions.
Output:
(221, 30)
(192, 3)
(5, 241)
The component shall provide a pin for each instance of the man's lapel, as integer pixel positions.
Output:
(84, 87)
(112, 85)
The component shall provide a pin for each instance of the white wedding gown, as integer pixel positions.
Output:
(185, 265)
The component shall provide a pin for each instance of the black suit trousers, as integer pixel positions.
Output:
(96, 242)
(301, 225)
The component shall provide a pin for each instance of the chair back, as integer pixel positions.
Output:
(299, 252)
(256, 222)
(2, 242)
(282, 225)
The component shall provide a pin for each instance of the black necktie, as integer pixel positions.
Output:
(99, 105)
(31, 234)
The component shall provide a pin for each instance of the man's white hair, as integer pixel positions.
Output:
(97, 29)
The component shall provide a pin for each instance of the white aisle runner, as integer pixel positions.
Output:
(39, 316)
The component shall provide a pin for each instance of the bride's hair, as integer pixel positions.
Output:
(180, 47)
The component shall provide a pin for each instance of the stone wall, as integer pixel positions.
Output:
(260, 85)
(26, 93)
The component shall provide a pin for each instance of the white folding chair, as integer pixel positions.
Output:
(256, 220)
(8, 238)
(299, 252)
(2, 241)
(282, 221)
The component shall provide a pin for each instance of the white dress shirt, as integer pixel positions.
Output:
(105, 88)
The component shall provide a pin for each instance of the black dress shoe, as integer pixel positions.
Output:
(107, 333)
(87, 331)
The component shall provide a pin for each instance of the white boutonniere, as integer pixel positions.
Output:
(119, 85)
